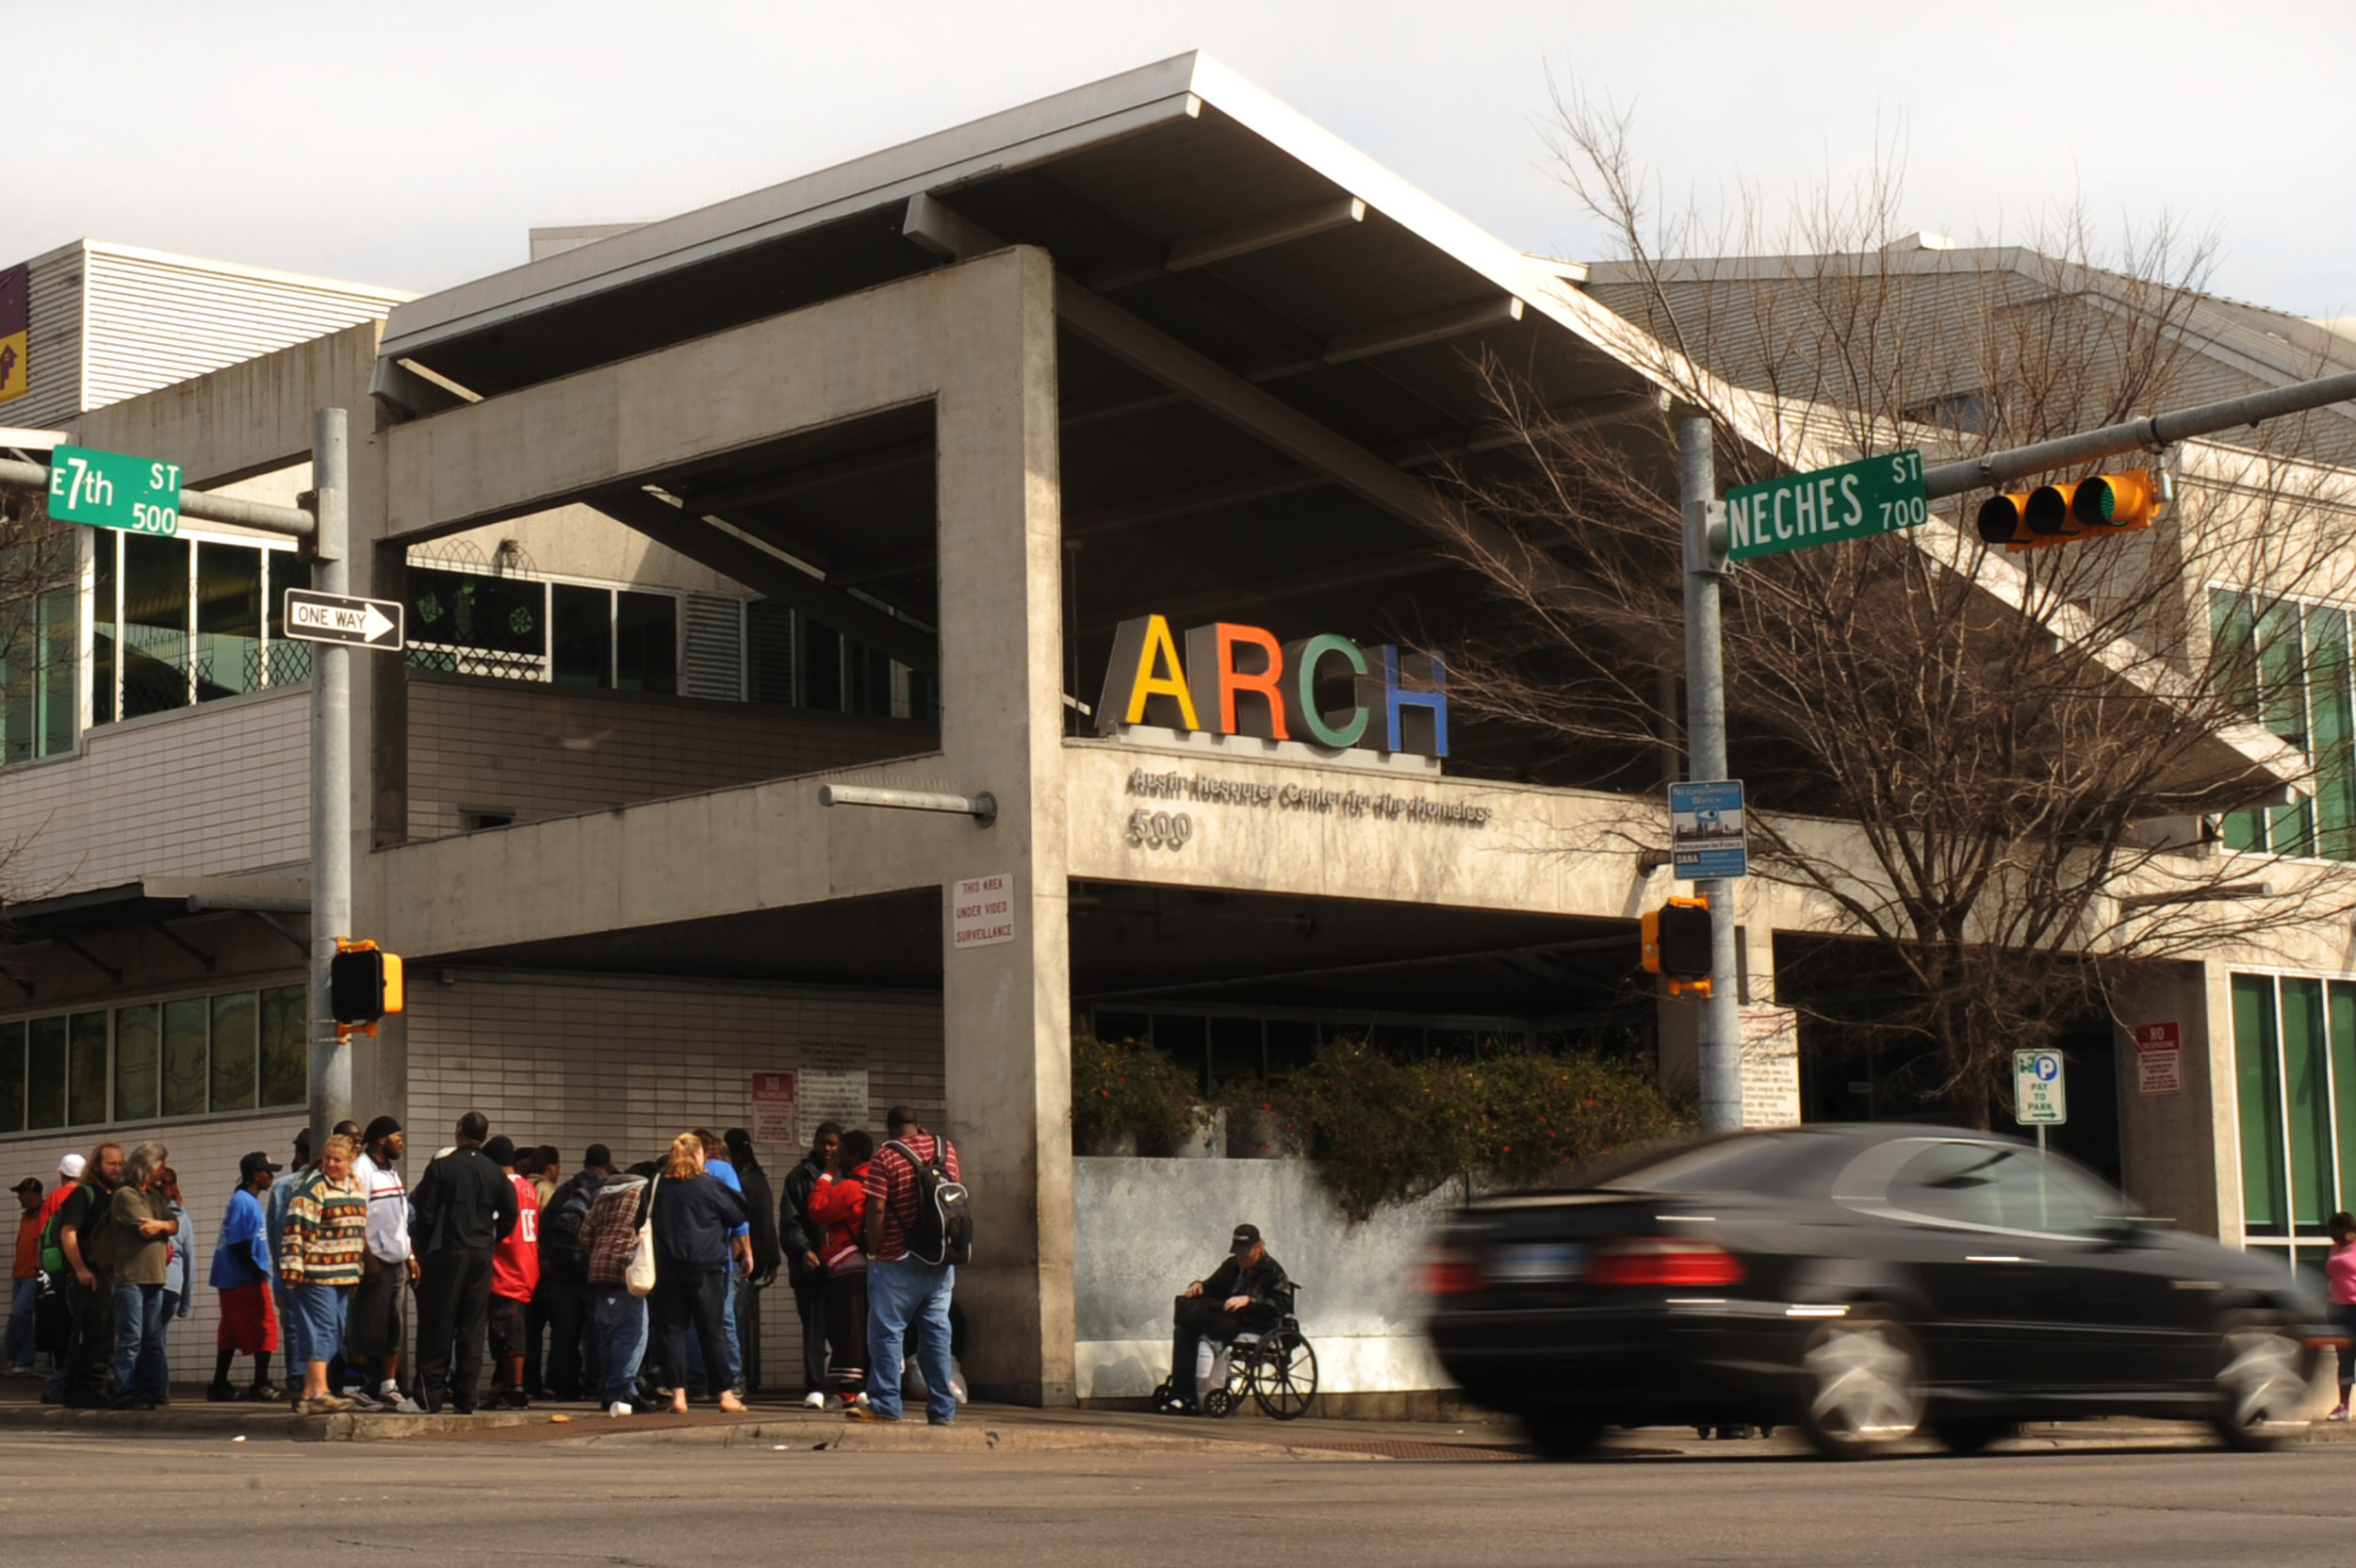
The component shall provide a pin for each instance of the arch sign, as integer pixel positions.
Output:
(1239, 679)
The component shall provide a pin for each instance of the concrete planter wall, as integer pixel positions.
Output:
(1142, 1228)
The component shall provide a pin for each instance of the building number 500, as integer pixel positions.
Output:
(1159, 830)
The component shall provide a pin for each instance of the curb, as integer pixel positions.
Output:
(975, 1437)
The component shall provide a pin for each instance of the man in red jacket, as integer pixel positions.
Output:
(515, 1275)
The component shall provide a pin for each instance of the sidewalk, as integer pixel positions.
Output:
(997, 1428)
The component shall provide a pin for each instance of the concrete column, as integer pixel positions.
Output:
(1006, 1007)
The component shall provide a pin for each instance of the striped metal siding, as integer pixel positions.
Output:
(153, 321)
(715, 648)
(53, 346)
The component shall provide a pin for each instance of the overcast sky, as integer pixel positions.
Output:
(413, 142)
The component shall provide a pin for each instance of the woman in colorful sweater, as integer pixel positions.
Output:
(327, 1228)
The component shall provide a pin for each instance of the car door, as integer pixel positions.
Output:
(2021, 1267)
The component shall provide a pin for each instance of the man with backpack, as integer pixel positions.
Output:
(563, 1272)
(919, 1229)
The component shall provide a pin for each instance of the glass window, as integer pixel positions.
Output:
(2307, 1090)
(155, 638)
(11, 1077)
(2004, 1189)
(228, 620)
(86, 1086)
(2258, 1082)
(289, 660)
(582, 635)
(139, 1059)
(185, 1025)
(286, 1046)
(646, 642)
(235, 1051)
(2333, 731)
(104, 549)
(37, 693)
(44, 1074)
(477, 624)
(821, 667)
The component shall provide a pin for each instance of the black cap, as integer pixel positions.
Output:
(30, 1184)
(1246, 1238)
(258, 1161)
(597, 1153)
(500, 1150)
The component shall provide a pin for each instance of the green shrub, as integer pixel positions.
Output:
(1391, 1132)
(1122, 1086)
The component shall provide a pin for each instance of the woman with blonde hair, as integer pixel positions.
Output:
(327, 1228)
(694, 1218)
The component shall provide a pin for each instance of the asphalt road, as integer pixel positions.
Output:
(194, 1504)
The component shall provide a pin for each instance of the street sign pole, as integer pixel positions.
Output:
(331, 779)
(1721, 1041)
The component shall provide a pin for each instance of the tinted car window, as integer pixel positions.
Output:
(2004, 1189)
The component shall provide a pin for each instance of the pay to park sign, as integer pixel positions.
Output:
(1880, 494)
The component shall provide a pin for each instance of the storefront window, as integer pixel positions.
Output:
(154, 633)
(2295, 1071)
(475, 625)
(228, 620)
(237, 1051)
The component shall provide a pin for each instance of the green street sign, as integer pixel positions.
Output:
(1880, 495)
(110, 490)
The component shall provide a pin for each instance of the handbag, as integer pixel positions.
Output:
(639, 1274)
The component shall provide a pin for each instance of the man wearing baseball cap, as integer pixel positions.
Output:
(1237, 1298)
(69, 1172)
(24, 1279)
(241, 1272)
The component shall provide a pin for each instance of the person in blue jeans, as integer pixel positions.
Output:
(608, 1234)
(718, 1167)
(904, 1291)
(143, 1229)
(25, 1284)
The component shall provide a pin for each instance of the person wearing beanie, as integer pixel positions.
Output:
(387, 1272)
(515, 1275)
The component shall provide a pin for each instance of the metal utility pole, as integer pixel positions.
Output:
(1706, 759)
(331, 778)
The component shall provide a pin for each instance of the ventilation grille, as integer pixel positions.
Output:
(715, 648)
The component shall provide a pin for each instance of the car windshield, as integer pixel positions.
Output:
(1742, 1163)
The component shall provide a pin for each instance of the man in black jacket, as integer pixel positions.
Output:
(1242, 1295)
(563, 1292)
(798, 1237)
(465, 1207)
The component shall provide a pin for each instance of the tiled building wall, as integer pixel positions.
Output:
(204, 1153)
(203, 791)
(540, 751)
(630, 1064)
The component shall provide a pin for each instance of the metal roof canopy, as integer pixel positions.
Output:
(1269, 340)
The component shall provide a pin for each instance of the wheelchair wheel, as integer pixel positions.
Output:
(1284, 1374)
(1218, 1403)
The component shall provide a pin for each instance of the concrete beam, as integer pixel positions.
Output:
(1218, 245)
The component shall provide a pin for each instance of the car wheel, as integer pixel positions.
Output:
(2262, 1383)
(1972, 1434)
(1557, 1436)
(1864, 1378)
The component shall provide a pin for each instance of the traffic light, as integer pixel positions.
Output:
(363, 985)
(2058, 513)
(1677, 944)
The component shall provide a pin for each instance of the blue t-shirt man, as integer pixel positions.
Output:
(243, 1225)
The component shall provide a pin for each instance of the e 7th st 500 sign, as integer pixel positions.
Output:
(1880, 494)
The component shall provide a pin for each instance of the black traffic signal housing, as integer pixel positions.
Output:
(2058, 513)
(363, 985)
(1677, 944)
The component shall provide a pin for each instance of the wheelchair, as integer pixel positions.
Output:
(1274, 1367)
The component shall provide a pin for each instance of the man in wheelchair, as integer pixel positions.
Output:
(1244, 1294)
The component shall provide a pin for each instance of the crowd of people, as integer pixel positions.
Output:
(635, 1288)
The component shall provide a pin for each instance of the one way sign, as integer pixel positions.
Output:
(331, 618)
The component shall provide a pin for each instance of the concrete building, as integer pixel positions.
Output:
(896, 474)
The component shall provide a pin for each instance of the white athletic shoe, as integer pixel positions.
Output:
(617, 1407)
(816, 1400)
(402, 1405)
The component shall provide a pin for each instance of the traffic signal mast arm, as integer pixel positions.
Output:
(2148, 435)
(200, 505)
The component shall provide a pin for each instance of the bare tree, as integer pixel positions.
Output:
(2007, 773)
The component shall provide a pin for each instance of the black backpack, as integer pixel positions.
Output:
(559, 1228)
(942, 1231)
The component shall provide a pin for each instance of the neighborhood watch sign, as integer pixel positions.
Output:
(1233, 680)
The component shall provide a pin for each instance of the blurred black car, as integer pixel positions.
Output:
(1861, 1282)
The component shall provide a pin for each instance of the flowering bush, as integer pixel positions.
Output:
(1122, 1086)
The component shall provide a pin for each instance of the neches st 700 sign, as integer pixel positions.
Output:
(1880, 494)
